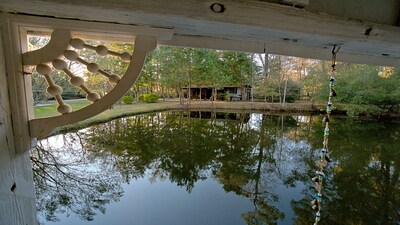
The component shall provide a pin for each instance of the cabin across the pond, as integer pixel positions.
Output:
(231, 93)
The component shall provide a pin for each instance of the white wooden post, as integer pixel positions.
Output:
(19, 86)
(17, 198)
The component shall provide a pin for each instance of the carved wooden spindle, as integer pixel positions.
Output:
(76, 81)
(100, 49)
(53, 89)
(91, 67)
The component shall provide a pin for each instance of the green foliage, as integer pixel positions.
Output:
(141, 97)
(127, 99)
(277, 75)
(168, 68)
(366, 154)
(237, 67)
(355, 110)
(366, 88)
(179, 67)
(265, 214)
(227, 96)
(293, 91)
(150, 98)
(271, 92)
(72, 95)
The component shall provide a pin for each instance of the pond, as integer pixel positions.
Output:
(180, 167)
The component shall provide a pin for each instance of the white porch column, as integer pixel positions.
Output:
(17, 198)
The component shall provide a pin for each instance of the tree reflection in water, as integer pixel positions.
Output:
(68, 180)
(248, 154)
(363, 188)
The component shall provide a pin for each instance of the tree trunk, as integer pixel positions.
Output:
(280, 78)
(212, 98)
(284, 92)
(252, 78)
(300, 73)
(180, 94)
(162, 92)
(200, 94)
(137, 94)
(280, 93)
(260, 160)
(190, 87)
(266, 65)
(242, 89)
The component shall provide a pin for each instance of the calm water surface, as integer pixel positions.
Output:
(178, 168)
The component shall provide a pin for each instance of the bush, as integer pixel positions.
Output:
(71, 95)
(227, 96)
(150, 98)
(127, 99)
(141, 97)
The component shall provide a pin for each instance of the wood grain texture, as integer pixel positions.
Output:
(18, 206)
(19, 86)
(289, 31)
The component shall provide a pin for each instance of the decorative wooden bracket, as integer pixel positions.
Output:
(58, 46)
(14, 31)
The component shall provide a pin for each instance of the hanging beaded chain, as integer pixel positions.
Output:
(324, 157)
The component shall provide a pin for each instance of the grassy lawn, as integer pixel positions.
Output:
(117, 111)
(50, 109)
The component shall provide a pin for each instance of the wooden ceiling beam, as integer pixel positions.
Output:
(281, 29)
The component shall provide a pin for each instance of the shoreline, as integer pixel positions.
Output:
(119, 111)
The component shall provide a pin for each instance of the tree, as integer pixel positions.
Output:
(237, 67)
(65, 184)
(173, 67)
(369, 89)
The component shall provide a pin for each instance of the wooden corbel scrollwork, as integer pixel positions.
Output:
(59, 46)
